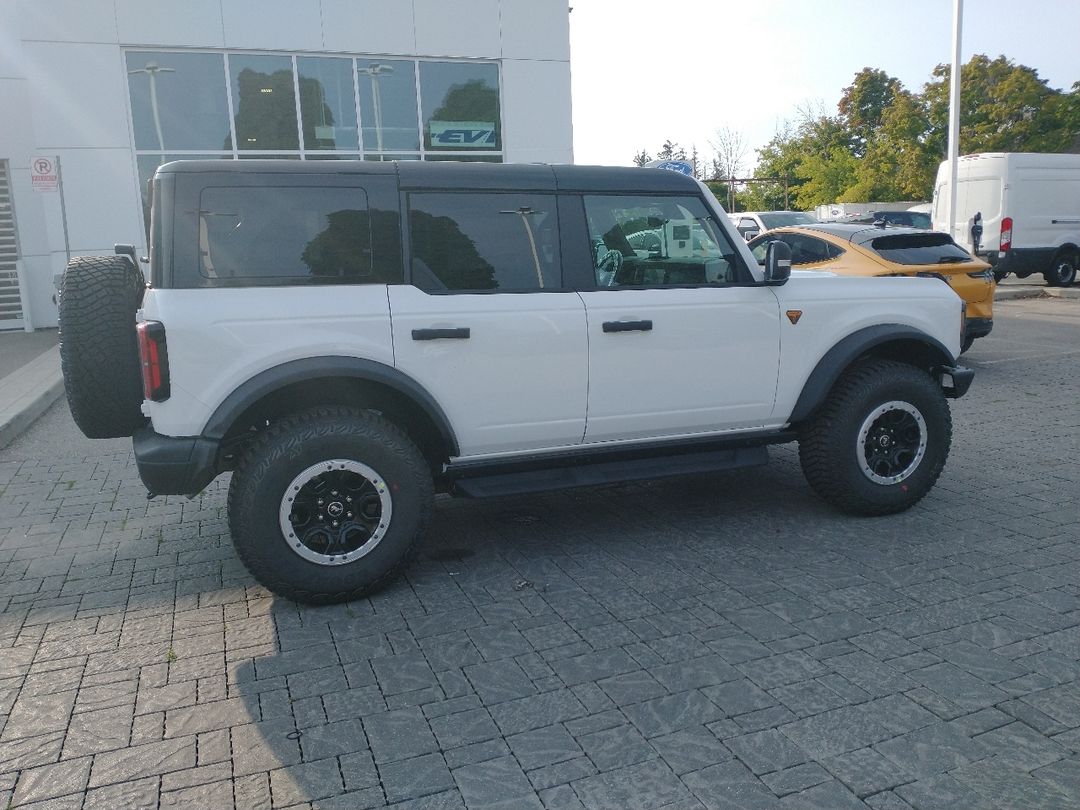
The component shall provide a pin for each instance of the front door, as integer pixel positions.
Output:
(485, 326)
(681, 339)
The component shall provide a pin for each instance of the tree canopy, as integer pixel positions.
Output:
(885, 142)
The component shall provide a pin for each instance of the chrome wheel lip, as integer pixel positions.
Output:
(864, 431)
(334, 465)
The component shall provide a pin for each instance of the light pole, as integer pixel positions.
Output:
(374, 71)
(954, 115)
(152, 69)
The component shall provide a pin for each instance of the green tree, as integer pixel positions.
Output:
(1004, 107)
(864, 103)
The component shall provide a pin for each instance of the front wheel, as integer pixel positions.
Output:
(1062, 271)
(327, 505)
(880, 441)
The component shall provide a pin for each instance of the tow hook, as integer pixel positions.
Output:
(954, 380)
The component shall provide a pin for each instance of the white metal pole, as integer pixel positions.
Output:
(954, 118)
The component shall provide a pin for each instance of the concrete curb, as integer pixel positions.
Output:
(28, 392)
(1016, 293)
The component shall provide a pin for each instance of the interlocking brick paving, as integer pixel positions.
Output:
(724, 641)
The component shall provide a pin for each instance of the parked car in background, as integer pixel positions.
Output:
(857, 250)
(908, 218)
(847, 211)
(1019, 211)
(752, 223)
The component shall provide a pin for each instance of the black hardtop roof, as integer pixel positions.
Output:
(860, 234)
(414, 174)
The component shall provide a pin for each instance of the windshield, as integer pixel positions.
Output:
(784, 219)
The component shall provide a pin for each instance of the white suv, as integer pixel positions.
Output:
(350, 338)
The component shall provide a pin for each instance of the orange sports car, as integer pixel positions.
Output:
(882, 250)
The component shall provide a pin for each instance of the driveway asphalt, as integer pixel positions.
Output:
(725, 641)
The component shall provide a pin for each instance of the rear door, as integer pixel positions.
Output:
(681, 340)
(486, 326)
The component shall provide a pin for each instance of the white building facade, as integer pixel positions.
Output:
(107, 90)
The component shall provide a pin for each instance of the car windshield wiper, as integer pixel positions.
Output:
(952, 259)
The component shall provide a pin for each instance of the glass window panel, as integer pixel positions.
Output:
(178, 100)
(324, 156)
(484, 241)
(382, 156)
(459, 158)
(460, 104)
(327, 103)
(268, 234)
(388, 104)
(264, 102)
(657, 241)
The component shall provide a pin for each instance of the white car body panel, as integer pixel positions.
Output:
(220, 338)
(708, 363)
(833, 307)
(518, 383)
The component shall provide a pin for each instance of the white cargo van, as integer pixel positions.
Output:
(1028, 205)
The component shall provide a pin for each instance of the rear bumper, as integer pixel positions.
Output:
(170, 465)
(978, 327)
(1023, 261)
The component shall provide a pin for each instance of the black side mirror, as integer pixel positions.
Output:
(976, 232)
(777, 263)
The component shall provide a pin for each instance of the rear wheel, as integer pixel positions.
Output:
(99, 354)
(967, 344)
(1063, 268)
(327, 505)
(880, 441)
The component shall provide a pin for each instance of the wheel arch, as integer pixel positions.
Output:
(887, 341)
(335, 380)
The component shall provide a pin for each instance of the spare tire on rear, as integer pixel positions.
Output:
(99, 353)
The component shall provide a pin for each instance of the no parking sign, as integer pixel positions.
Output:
(44, 173)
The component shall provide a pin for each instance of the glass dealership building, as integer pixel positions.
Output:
(111, 89)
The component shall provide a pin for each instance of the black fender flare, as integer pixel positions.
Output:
(846, 351)
(313, 368)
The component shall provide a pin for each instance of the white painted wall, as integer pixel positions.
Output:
(63, 83)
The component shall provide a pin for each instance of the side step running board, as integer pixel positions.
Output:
(608, 472)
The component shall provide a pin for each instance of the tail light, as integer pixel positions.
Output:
(154, 357)
(1006, 234)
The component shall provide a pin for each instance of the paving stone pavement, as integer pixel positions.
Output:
(720, 642)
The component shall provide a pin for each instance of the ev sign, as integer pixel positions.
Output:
(469, 134)
(44, 174)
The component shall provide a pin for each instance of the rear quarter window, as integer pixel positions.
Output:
(919, 248)
(252, 235)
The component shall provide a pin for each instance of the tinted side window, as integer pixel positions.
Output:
(478, 242)
(804, 249)
(292, 234)
(657, 241)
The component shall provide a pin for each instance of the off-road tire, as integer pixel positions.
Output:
(829, 446)
(99, 353)
(1063, 268)
(1000, 275)
(275, 458)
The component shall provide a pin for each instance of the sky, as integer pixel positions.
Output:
(646, 72)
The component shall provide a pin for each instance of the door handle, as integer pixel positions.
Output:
(627, 326)
(458, 333)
